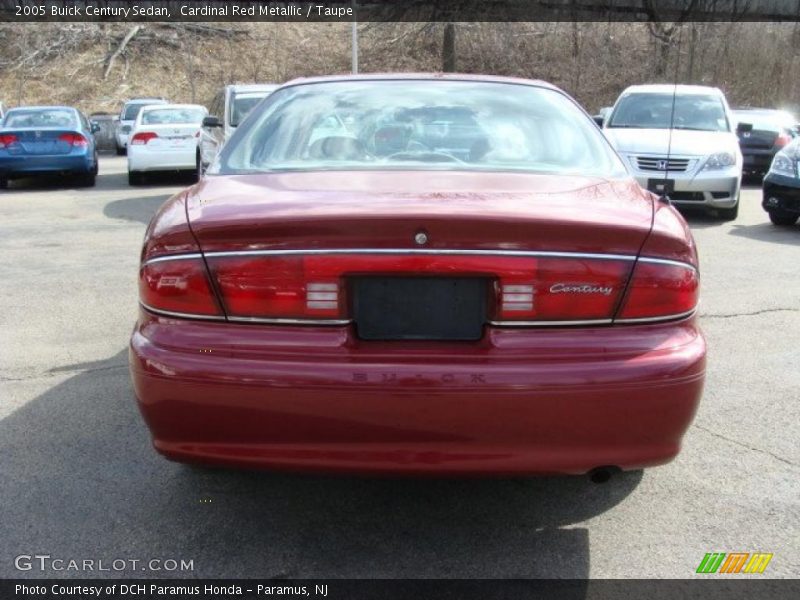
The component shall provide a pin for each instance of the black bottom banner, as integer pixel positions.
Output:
(405, 589)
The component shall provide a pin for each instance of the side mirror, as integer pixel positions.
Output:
(211, 121)
(599, 119)
(94, 126)
(744, 128)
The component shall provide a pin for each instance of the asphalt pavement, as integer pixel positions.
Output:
(79, 480)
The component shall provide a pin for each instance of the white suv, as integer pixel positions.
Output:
(680, 141)
(229, 108)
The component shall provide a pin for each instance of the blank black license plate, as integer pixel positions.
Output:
(419, 308)
(662, 187)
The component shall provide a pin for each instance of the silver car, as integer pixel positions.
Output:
(127, 117)
(229, 108)
(680, 141)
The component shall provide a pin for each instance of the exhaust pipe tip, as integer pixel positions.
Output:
(604, 474)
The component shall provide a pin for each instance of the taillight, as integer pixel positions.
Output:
(285, 287)
(782, 139)
(660, 290)
(178, 286)
(74, 139)
(556, 289)
(7, 140)
(142, 137)
(526, 288)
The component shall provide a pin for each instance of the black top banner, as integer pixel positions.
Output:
(396, 10)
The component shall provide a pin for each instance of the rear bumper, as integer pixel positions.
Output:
(757, 161)
(23, 166)
(518, 402)
(140, 158)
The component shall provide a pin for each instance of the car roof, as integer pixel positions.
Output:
(146, 101)
(169, 106)
(418, 77)
(252, 87)
(668, 88)
(44, 107)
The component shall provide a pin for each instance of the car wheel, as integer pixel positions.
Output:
(121, 151)
(87, 180)
(135, 178)
(729, 214)
(199, 170)
(3, 183)
(779, 217)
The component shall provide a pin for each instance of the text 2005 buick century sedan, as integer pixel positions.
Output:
(418, 274)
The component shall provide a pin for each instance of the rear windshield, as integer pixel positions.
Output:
(173, 116)
(655, 111)
(242, 105)
(420, 125)
(131, 111)
(766, 121)
(37, 118)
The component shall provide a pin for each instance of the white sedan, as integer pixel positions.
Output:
(164, 138)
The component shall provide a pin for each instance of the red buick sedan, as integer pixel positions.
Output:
(418, 274)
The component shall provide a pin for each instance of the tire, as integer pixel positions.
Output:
(88, 179)
(121, 151)
(199, 170)
(3, 183)
(135, 178)
(729, 214)
(782, 218)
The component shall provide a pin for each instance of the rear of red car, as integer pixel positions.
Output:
(407, 320)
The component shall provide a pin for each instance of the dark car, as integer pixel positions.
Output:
(772, 130)
(782, 186)
(57, 140)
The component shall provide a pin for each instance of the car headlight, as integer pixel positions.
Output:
(782, 164)
(720, 160)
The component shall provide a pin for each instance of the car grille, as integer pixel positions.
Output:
(660, 163)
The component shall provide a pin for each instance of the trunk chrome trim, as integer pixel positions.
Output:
(422, 251)
(674, 317)
(172, 257)
(550, 323)
(169, 313)
(666, 261)
(326, 322)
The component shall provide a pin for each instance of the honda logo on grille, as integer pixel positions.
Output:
(662, 165)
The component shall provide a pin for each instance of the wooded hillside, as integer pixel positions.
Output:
(96, 66)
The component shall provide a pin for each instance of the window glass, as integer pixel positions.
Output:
(420, 124)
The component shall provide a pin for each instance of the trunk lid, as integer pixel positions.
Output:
(758, 139)
(385, 210)
(38, 142)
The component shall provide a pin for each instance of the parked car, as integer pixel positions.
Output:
(602, 115)
(127, 118)
(772, 130)
(229, 108)
(369, 302)
(781, 187)
(164, 138)
(37, 140)
(680, 141)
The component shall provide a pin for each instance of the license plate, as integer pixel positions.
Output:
(662, 187)
(419, 308)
